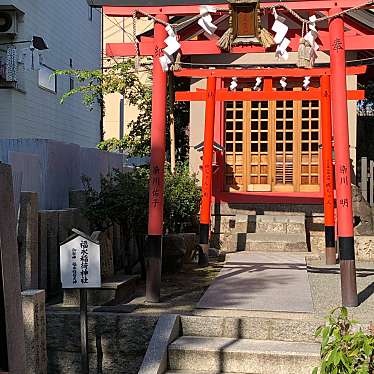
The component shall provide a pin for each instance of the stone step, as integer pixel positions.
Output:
(261, 223)
(262, 328)
(286, 224)
(276, 242)
(230, 355)
(112, 292)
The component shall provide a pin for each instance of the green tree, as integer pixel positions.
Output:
(123, 78)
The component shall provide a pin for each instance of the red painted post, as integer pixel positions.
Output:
(153, 251)
(328, 171)
(207, 169)
(342, 161)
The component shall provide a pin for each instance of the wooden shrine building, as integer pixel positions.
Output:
(271, 84)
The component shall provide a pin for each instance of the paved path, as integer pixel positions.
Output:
(261, 281)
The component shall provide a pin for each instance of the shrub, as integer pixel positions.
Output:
(182, 199)
(123, 199)
(342, 349)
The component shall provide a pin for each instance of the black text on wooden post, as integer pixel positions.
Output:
(80, 269)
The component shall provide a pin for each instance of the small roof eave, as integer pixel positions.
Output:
(101, 3)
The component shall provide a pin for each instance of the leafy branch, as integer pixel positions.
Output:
(343, 350)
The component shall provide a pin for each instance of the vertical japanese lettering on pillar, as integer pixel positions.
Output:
(80, 263)
(155, 186)
(343, 180)
(329, 180)
(337, 45)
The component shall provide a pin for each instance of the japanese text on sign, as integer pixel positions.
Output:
(80, 264)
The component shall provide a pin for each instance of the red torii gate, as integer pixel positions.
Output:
(335, 41)
(211, 95)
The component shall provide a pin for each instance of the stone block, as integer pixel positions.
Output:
(27, 237)
(106, 253)
(364, 248)
(118, 248)
(295, 228)
(222, 224)
(317, 243)
(117, 342)
(65, 224)
(156, 359)
(190, 241)
(34, 320)
(266, 227)
(12, 336)
(224, 242)
(52, 249)
(111, 293)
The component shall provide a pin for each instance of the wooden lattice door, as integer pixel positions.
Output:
(272, 146)
(258, 146)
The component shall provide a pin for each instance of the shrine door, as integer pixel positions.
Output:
(272, 146)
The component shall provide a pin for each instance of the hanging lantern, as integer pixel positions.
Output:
(245, 26)
(245, 21)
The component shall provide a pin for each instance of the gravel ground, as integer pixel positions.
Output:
(325, 287)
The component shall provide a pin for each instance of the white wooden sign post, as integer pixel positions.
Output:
(80, 269)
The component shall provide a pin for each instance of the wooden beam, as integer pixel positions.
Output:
(225, 95)
(209, 47)
(171, 10)
(265, 72)
(116, 8)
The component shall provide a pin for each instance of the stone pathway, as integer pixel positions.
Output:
(261, 281)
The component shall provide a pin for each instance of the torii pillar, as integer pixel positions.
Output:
(153, 251)
(342, 161)
(206, 198)
(328, 171)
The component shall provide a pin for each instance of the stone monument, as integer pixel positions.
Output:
(12, 341)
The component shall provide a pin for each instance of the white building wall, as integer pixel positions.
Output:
(70, 34)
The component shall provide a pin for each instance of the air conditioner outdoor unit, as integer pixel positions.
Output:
(8, 22)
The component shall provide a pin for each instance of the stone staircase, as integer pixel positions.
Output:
(268, 232)
(255, 345)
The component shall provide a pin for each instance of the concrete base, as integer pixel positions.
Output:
(243, 355)
(277, 242)
(111, 293)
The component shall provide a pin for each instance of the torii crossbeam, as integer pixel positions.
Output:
(333, 39)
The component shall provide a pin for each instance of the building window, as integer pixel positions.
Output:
(46, 79)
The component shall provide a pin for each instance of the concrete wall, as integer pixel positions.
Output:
(54, 168)
(117, 342)
(34, 112)
(197, 111)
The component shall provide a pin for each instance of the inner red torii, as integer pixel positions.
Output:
(334, 39)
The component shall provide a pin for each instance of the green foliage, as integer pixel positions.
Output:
(113, 145)
(119, 78)
(182, 198)
(122, 78)
(123, 199)
(344, 351)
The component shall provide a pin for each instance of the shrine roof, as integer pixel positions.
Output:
(100, 3)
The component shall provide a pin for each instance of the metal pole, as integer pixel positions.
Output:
(328, 171)
(207, 168)
(153, 250)
(121, 117)
(342, 161)
(84, 330)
